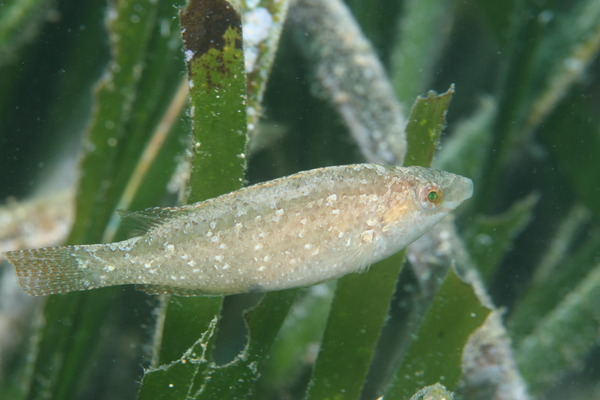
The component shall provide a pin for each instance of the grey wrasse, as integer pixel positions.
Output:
(290, 232)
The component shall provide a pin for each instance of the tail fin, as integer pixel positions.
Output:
(54, 270)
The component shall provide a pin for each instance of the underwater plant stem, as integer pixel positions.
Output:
(569, 72)
(563, 337)
(423, 31)
(148, 156)
(511, 92)
(352, 76)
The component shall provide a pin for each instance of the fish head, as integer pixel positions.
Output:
(438, 192)
(420, 198)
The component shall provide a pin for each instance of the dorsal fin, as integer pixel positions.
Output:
(144, 221)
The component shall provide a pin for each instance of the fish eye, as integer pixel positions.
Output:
(430, 196)
(433, 196)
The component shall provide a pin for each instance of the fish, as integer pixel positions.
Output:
(290, 232)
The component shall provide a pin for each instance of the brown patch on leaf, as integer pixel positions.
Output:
(204, 22)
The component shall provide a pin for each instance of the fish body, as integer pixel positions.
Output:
(294, 231)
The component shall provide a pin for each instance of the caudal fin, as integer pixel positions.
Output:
(54, 270)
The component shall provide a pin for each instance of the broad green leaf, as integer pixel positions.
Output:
(496, 18)
(45, 91)
(465, 150)
(63, 357)
(361, 301)
(302, 329)
(549, 51)
(212, 36)
(490, 238)
(358, 312)
(563, 337)
(576, 154)
(421, 36)
(195, 376)
(109, 139)
(19, 21)
(378, 19)
(545, 295)
(572, 138)
(512, 94)
(563, 58)
(435, 355)
(238, 378)
(425, 124)
(175, 379)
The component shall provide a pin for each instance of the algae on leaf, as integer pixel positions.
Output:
(212, 35)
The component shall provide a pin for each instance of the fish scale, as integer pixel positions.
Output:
(293, 231)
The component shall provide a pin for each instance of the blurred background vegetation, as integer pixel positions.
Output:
(95, 117)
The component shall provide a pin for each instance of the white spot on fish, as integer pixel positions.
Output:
(367, 236)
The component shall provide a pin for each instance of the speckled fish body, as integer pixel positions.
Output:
(290, 232)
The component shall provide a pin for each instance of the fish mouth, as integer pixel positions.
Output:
(459, 190)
